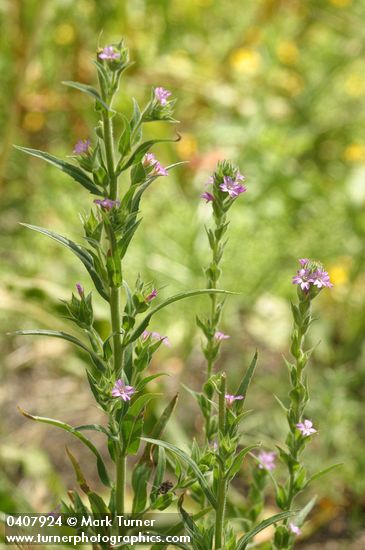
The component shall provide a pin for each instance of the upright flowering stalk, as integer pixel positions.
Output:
(117, 170)
(223, 187)
(310, 279)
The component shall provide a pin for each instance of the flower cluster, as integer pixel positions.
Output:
(162, 95)
(227, 180)
(311, 274)
(109, 53)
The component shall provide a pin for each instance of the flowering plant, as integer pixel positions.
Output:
(117, 364)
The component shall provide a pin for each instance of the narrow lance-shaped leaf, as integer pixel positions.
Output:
(64, 336)
(89, 90)
(142, 149)
(100, 464)
(70, 169)
(79, 475)
(186, 458)
(79, 251)
(323, 472)
(243, 542)
(243, 387)
(159, 427)
(237, 463)
(180, 296)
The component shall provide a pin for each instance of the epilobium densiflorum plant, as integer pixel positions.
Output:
(116, 166)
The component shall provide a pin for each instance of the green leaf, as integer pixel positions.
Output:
(180, 296)
(124, 145)
(148, 379)
(79, 251)
(237, 463)
(79, 475)
(95, 428)
(243, 542)
(301, 516)
(142, 149)
(132, 423)
(323, 472)
(140, 477)
(89, 90)
(70, 169)
(243, 387)
(100, 464)
(186, 458)
(64, 336)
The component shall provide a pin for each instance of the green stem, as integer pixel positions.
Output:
(222, 482)
(120, 459)
(121, 464)
(115, 319)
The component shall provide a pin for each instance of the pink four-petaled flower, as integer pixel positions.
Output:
(306, 428)
(232, 186)
(121, 390)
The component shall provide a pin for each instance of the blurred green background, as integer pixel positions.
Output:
(276, 86)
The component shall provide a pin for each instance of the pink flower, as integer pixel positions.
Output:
(107, 204)
(156, 336)
(294, 529)
(82, 147)
(232, 186)
(80, 289)
(150, 161)
(230, 399)
(151, 296)
(207, 196)
(109, 53)
(162, 95)
(123, 391)
(267, 460)
(311, 273)
(221, 336)
(306, 428)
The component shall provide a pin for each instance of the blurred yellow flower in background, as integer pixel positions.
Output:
(245, 60)
(292, 83)
(354, 152)
(187, 146)
(341, 3)
(287, 52)
(355, 85)
(338, 274)
(64, 34)
(33, 122)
